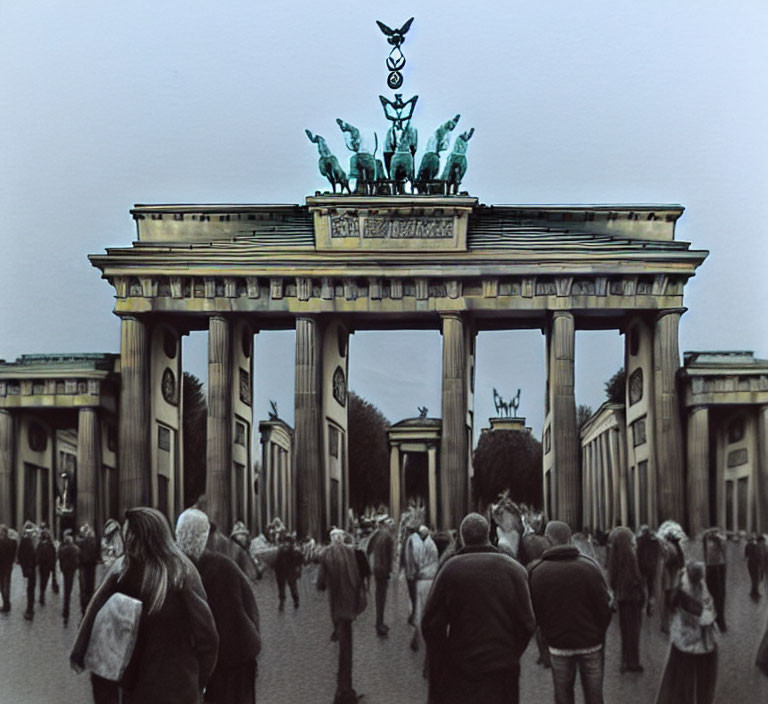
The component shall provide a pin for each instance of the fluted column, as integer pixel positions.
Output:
(669, 430)
(134, 429)
(88, 467)
(565, 437)
(454, 480)
(6, 467)
(432, 483)
(394, 483)
(762, 469)
(218, 455)
(698, 470)
(310, 491)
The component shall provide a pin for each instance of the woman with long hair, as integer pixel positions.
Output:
(627, 584)
(177, 643)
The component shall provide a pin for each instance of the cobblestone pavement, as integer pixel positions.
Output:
(298, 661)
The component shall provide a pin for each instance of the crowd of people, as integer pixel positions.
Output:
(476, 596)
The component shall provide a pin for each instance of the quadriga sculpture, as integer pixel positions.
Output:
(362, 164)
(430, 162)
(456, 166)
(401, 166)
(328, 164)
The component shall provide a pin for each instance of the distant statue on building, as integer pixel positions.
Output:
(362, 164)
(273, 410)
(430, 162)
(328, 164)
(456, 166)
(504, 408)
(423, 410)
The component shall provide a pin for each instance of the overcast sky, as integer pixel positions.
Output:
(109, 104)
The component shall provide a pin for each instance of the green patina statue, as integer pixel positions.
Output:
(328, 164)
(456, 166)
(363, 166)
(430, 162)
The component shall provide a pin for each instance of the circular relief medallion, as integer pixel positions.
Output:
(168, 386)
(37, 437)
(395, 80)
(169, 345)
(340, 386)
(635, 386)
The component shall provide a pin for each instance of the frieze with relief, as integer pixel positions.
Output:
(408, 228)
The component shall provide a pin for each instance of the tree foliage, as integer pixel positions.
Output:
(583, 414)
(507, 460)
(614, 387)
(368, 455)
(195, 414)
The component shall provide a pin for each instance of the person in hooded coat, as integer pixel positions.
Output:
(90, 553)
(232, 602)
(177, 643)
(648, 560)
(8, 549)
(340, 575)
(69, 561)
(27, 558)
(45, 555)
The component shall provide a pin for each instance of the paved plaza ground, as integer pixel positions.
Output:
(298, 661)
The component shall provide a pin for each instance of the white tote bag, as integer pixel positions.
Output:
(113, 637)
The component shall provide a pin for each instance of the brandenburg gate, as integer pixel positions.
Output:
(340, 263)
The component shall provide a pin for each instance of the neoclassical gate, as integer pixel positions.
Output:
(343, 263)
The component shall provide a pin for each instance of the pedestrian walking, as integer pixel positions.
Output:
(89, 558)
(8, 548)
(411, 569)
(673, 561)
(425, 557)
(381, 545)
(714, 542)
(690, 674)
(571, 601)
(477, 622)
(232, 602)
(627, 585)
(755, 565)
(177, 642)
(111, 542)
(339, 574)
(69, 561)
(45, 555)
(53, 577)
(27, 558)
(648, 560)
(288, 562)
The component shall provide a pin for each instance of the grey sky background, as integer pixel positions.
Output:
(109, 104)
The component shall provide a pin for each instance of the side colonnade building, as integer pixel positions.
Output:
(342, 263)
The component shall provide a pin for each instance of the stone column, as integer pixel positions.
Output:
(218, 455)
(453, 441)
(310, 491)
(669, 429)
(89, 468)
(394, 483)
(565, 436)
(432, 484)
(7, 456)
(134, 458)
(620, 474)
(698, 470)
(762, 469)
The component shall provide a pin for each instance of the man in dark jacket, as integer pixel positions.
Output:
(234, 609)
(7, 558)
(648, 560)
(381, 545)
(46, 561)
(89, 558)
(572, 605)
(477, 623)
(69, 561)
(288, 568)
(28, 561)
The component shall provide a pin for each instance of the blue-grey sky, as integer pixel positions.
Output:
(109, 104)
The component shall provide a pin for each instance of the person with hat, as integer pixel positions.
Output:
(89, 558)
(288, 568)
(381, 545)
(8, 548)
(27, 558)
(69, 561)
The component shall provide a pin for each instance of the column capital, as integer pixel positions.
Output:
(670, 311)
(562, 313)
(699, 407)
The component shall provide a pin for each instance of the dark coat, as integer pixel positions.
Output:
(231, 599)
(27, 555)
(478, 617)
(340, 574)
(648, 554)
(7, 553)
(89, 551)
(570, 598)
(46, 555)
(177, 645)
(288, 562)
(382, 546)
(69, 558)
(217, 542)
